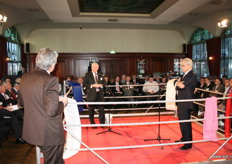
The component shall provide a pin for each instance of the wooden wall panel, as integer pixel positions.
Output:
(81, 67)
(76, 64)
(159, 64)
(59, 70)
(114, 67)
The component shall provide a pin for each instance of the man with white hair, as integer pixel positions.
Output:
(43, 107)
(93, 81)
(185, 90)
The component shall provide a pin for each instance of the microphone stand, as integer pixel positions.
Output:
(158, 137)
(109, 128)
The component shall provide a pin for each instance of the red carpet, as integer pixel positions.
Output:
(135, 135)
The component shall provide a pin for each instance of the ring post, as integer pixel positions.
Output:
(228, 120)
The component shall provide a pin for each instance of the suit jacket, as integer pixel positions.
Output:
(6, 102)
(91, 92)
(128, 91)
(220, 89)
(190, 82)
(208, 87)
(39, 95)
(199, 93)
(114, 88)
(15, 92)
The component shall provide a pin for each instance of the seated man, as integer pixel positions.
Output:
(16, 116)
(151, 87)
(128, 90)
(117, 90)
(218, 88)
(10, 93)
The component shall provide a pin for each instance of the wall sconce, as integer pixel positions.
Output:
(223, 23)
(210, 58)
(7, 59)
(3, 18)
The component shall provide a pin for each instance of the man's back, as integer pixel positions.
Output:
(39, 96)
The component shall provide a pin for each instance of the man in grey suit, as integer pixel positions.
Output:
(93, 81)
(185, 88)
(43, 108)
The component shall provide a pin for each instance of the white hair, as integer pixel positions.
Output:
(188, 61)
(45, 58)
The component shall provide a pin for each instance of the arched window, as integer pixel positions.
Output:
(226, 53)
(199, 52)
(13, 51)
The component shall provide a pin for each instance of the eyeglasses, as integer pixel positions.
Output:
(184, 65)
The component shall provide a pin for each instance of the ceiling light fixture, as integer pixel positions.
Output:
(3, 18)
(223, 23)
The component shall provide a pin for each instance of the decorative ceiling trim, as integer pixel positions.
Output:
(163, 7)
(114, 15)
(74, 7)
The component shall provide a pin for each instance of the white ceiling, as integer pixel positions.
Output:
(172, 14)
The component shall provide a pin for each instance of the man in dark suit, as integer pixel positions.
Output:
(209, 86)
(10, 93)
(15, 90)
(117, 90)
(43, 107)
(16, 116)
(93, 81)
(185, 88)
(198, 95)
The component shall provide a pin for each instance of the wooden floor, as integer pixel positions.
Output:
(11, 153)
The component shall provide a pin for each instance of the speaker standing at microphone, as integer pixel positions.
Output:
(93, 81)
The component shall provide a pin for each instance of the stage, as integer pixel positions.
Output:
(135, 135)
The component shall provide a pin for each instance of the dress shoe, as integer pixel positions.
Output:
(186, 147)
(20, 141)
(180, 140)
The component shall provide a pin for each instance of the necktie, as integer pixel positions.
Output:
(13, 95)
(5, 96)
(96, 78)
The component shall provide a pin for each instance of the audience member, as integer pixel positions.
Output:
(123, 79)
(128, 90)
(16, 116)
(217, 88)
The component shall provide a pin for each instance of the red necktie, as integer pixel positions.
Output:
(13, 94)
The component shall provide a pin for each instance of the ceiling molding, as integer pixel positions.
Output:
(74, 7)
(163, 7)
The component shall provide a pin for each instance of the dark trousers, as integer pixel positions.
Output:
(53, 154)
(16, 120)
(101, 111)
(186, 128)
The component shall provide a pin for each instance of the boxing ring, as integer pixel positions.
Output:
(74, 142)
